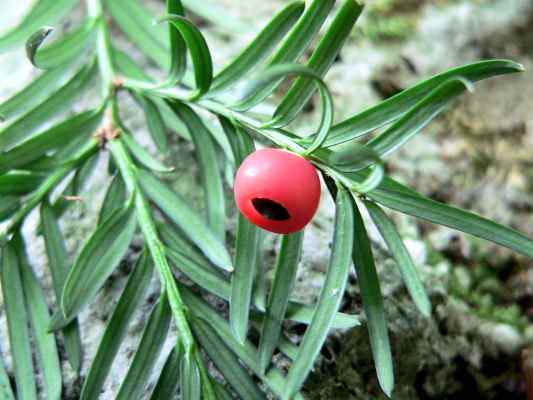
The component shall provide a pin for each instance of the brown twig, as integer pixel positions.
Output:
(73, 198)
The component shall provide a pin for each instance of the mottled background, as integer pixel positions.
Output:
(478, 155)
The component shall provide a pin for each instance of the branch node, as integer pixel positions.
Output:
(117, 83)
(107, 130)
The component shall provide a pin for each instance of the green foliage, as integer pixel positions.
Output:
(35, 161)
(117, 327)
(480, 287)
(330, 294)
(168, 382)
(285, 274)
(44, 341)
(373, 304)
(152, 340)
(17, 321)
(391, 19)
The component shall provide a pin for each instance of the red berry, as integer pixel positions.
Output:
(277, 190)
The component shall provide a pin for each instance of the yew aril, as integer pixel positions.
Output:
(277, 190)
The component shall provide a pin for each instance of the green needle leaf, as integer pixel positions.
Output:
(79, 150)
(419, 116)
(17, 323)
(5, 387)
(321, 60)
(401, 255)
(278, 300)
(186, 219)
(178, 47)
(373, 304)
(129, 68)
(73, 45)
(259, 47)
(97, 260)
(28, 123)
(393, 108)
(154, 120)
(280, 118)
(242, 280)
(74, 187)
(43, 12)
(148, 351)
(49, 183)
(190, 380)
(240, 142)
(170, 119)
(199, 52)
(400, 198)
(246, 352)
(8, 206)
(375, 174)
(330, 295)
(246, 246)
(35, 92)
(176, 241)
(117, 327)
(140, 154)
(157, 251)
(37, 308)
(226, 362)
(259, 290)
(60, 135)
(387, 184)
(137, 23)
(349, 157)
(202, 275)
(304, 313)
(208, 389)
(114, 199)
(158, 118)
(57, 263)
(35, 41)
(213, 281)
(288, 348)
(284, 344)
(43, 165)
(294, 45)
(168, 382)
(19, 182)
(222, 393)
(222, 141)
(206, 154)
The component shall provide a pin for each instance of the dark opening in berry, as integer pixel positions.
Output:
(270, 209)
